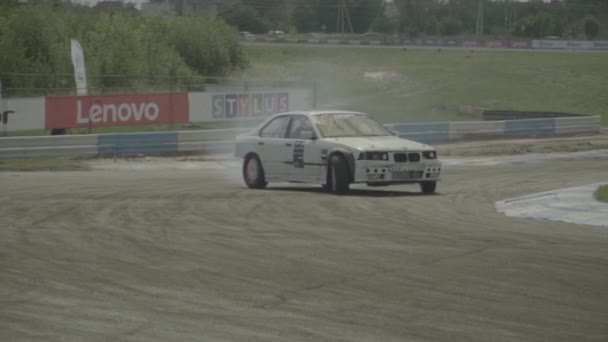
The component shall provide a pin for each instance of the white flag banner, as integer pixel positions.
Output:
(79, 69)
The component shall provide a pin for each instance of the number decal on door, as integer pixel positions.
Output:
(298, 154)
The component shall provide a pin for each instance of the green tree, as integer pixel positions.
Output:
(245, 18)
(591, 26)
(450, 26)
(35, 40)
(304, 18)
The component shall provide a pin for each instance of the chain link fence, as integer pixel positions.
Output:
(62, 84)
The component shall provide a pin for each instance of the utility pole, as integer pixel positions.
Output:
(342, 14)
(479, 27)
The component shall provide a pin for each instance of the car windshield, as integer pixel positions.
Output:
(336, 125)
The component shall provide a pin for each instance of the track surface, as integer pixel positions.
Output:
(191, 255)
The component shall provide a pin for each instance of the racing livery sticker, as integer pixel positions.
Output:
(298, 154)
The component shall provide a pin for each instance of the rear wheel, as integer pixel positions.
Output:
(428, 187)
(337, 178)
(253, 172)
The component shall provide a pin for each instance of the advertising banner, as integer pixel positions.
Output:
(470, 43)
(548, 44)
(235, 105)
(495, 44)
(600, 45)
(116, 110)
(21, 114)
(578, 44)
(520, 44)
(80, 74)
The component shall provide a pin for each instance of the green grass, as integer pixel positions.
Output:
(433, 85)
(42, 164)
(427, 84)
(601, 194)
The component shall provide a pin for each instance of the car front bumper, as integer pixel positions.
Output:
(388, 172)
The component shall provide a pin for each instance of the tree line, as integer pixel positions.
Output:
(534, 19)
(122, 49)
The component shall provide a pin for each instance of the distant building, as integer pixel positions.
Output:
(112, 5)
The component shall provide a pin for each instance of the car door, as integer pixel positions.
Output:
(306, 164)
(273, 147)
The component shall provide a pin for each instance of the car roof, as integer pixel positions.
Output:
(320, 112)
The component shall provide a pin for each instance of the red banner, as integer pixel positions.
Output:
(116, 110)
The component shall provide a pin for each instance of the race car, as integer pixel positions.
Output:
(333, 149)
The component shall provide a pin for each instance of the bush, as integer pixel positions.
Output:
(36, 40)
(536, 26)
(601, 194)
(244, 18)
(591, 27)
(450, 26)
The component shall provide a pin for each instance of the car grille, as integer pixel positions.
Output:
(407, 174)
(413, 157)
(400, 157)
(405, 157)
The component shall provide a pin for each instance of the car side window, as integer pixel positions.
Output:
(275, 128)
(301, 128)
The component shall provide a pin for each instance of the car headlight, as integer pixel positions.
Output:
(429, 154)
(373, 156)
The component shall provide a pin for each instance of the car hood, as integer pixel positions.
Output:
(387, 143)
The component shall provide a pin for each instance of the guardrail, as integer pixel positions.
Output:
(520, 115)
(540, 44)
(222, 140)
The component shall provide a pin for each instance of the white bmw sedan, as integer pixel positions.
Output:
(334, 149)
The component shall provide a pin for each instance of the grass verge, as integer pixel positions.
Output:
(601, 194)
(42, 164)
(397, 85)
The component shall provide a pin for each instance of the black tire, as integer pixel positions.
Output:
(428, 187)
(253, 180)
(337, 178)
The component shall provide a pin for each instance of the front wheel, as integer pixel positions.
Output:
(428, 187)
(338, 179)
(253, 172)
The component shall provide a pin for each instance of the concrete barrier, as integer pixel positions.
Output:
(210, 135)
(214, 141)
(128, 143)
(49, 141)
(530, 127)
(423, 132)
(580, 125)
(582, 45)
(54, 151)
(472, 130)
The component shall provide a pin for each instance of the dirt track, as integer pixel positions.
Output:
(191, 255)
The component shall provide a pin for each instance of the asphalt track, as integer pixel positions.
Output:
(161, 254)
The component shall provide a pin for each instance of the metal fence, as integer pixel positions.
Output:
(62, 84)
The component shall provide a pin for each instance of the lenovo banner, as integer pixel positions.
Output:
(116, 110)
